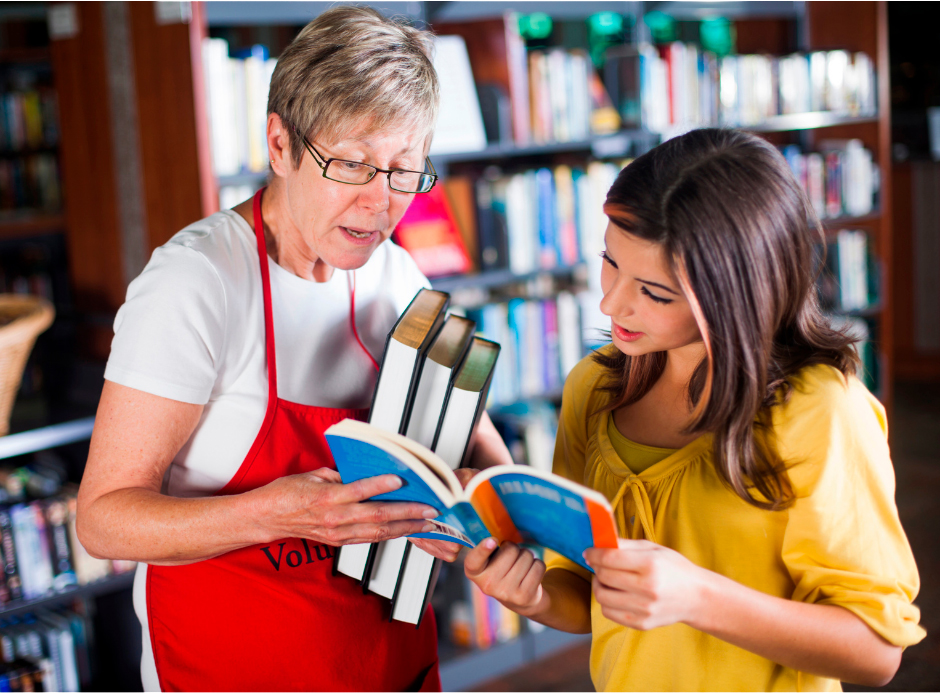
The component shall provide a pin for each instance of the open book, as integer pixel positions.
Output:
(510, 503)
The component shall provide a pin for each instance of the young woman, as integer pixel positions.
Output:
(747, 466)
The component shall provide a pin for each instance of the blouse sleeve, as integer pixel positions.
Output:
(844, 544)
(170, 332)
(571, 442)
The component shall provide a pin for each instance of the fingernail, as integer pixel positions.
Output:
(394, 482)
(428, 527)
(490, 543)
(430, 513)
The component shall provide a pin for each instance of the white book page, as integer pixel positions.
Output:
(387, 566)
(352, 560)
(456, 427)
(414, 585)
(429, 402)
(391, 394)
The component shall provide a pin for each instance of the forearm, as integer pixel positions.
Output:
(489, 449)
(565, 604)
(820, 639)
(143, 525)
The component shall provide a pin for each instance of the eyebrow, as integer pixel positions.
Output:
(661, 286)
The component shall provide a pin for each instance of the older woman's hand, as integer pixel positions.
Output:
(317, 505)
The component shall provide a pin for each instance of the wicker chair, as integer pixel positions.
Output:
(22, 319)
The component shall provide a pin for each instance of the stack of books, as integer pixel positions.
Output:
(432, 388)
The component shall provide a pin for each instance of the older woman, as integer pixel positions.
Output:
(245, 337)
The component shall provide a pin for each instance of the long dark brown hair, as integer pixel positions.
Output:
(740, 236)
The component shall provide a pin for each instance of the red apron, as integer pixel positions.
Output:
(274, 617)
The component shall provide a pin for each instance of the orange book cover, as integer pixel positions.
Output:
(430, 234)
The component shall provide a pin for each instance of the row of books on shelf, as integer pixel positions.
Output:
(678, 86)
(37, 283)
(848, 282)
(841, 180)
(541, 343)
(544, 218)
(49, 650)
(479, 621)
(237, 98)
(28, 120)
(39, 548)
(30, 182)
(567, 101)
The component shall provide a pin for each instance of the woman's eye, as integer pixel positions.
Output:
(607, 258)
(658, 299)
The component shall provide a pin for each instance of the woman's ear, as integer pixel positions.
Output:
(278, 136)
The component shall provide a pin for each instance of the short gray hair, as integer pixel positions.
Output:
(353, 66)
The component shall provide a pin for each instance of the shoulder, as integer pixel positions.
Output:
(829, 423)
(821, 393)
(222, 242)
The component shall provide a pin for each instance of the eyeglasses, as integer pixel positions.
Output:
(358, 173)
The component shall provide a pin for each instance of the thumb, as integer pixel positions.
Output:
(477, 558)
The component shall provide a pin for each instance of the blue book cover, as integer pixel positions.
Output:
(548, 247)
(510, 503)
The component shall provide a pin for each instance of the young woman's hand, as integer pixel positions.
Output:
(512, 575)
(643, 585)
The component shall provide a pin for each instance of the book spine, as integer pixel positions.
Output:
(10, 567)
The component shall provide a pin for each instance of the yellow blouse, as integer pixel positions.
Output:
(636, 456)
(841, 542)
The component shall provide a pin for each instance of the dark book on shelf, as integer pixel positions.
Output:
(405, 349)
(63, 568)
(491, 216)
(11, 575)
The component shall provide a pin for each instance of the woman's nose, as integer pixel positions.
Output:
(374, 194)
(616, 303)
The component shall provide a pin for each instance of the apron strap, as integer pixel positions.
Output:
(352, 316)
(266, 288)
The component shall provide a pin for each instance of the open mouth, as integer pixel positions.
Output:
(626, 335)
(358, 235)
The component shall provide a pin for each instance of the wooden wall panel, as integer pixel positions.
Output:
(167, 123)
(88, 176)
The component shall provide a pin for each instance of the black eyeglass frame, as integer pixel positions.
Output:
(326, 165)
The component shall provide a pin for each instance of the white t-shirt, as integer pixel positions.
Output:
(192, 329)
